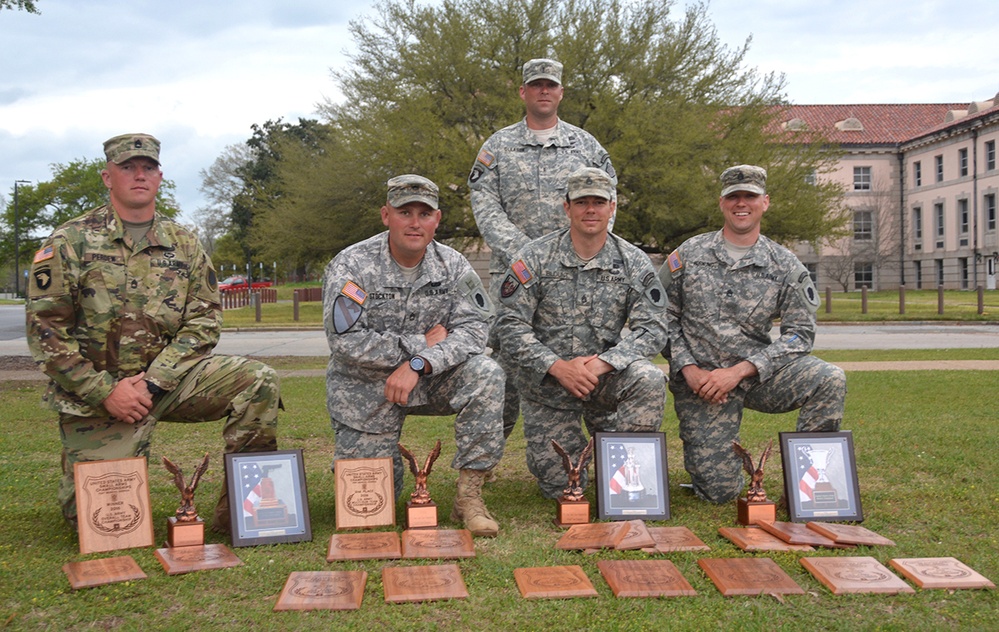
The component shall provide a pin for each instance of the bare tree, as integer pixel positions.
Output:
(221, 183)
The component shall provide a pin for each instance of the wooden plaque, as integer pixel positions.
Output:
(570, 512)
(671, 539)
(797, 533)
(940, 572)
(756, 512)
(635, 536)
(109, 570)
(383, 545)
(756, 539)
(553, 582)
(421, 516)
(187, 559)
(112, 501)
(854, 575)
(749, 576)
(365, 495)
(440, 544)
(594, 535)
(644, 578)
(322, 590)
(849, 534)
(185, 533)
(423, 583)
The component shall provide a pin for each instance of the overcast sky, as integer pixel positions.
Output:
(198, 74)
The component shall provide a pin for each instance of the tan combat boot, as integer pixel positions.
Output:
(469, 507)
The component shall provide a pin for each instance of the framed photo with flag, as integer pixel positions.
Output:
(268, 500)
(632, 477)
(820, 476)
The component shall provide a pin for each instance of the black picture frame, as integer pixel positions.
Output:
(820, 477)
(268, 498)
(614, 501)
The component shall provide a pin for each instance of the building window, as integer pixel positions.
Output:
(812, 178)
(939, 266)
(990, 155)
(863, 226)
(939, 164)
(863, 275)
(990, 212)
(962, 161)
(938, 223)
(919, 274)
(963, 265)
(917, 228)
(917, 173)
(813, 271)
(861, 178)
(962, 221)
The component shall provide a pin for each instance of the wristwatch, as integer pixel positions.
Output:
(152, 388)
(418, 364)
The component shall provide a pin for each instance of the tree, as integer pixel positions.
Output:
(222, 183)
(22, 5)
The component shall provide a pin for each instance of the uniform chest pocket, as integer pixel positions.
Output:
(100, 291)
(162, 296)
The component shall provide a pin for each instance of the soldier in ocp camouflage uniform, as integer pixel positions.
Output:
(518, 184)
(582, 312)
(725, 291)
(123, 312)
(406, 319)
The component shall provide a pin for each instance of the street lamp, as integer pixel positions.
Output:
(17, 243)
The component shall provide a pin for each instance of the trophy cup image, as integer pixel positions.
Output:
(272, 511)
(824, 495)
(573, 508)
(186, 528)
(632, 485)
(755, 507)
(421, 510)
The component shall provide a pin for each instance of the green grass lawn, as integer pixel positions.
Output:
(926, 445)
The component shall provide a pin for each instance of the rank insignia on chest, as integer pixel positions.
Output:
(354, 292)
(521, 271)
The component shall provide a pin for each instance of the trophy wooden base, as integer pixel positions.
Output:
(109, 570)
(185, 533)
(421, 516)
(755, 512)
(570, 512)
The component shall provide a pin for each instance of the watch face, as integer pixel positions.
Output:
(417, 364)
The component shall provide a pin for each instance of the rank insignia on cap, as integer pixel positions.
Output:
(520, 270)
(352, 291)
(45, 253)
(673, 261)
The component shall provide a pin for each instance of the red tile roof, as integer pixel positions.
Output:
(883, 124)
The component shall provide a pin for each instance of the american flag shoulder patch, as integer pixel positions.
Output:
(485, 158)
(354, 292)
(45, 253)
(673, 261)
(521, 271)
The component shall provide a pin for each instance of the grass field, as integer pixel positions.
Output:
(926, 446)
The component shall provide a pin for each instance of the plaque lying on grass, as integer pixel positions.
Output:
(112, 500)
(797, 533)
(593, 535)
(440, 544)
(940, 572)
(644, 578)
(672, 539)
(365, 495)
(749, 576)
(423, 583)
(322, 590)
(111, 570)
(553, 582)
(849, 534)
(844, 575)
(187, 559)
(756, 539)
(634, 536)
(383, 545)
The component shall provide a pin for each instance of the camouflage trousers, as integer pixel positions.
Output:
(243, 391)
(632, 400)
(473, 390)
(511, 397)
(807, 383)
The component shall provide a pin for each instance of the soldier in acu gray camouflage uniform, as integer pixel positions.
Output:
(582, 312)
(123, 312)
(406, 319)
(725, 290)
(518, 184)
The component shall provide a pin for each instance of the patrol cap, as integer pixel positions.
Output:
(412, 188)
(126, 146)
(590, 181)
(744, 178)
(542, 69)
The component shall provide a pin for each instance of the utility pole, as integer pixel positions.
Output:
(17, 242)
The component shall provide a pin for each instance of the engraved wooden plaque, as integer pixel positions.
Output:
(756, 539)
(365, 495)
(109, 570)
(635, 536)
(644, 578)
(185, 533)
(849, 534)
(383, 545)
(672, 539)
(187, 559)
(553, 582)
(855, 575)
(940, 572)
(749, 576)
(440, 544)
(755, 512)
(797, 533)
(570, 512)
(594, 535)
(112, 501)
(423, 583)
(421, 515)
(322, 590)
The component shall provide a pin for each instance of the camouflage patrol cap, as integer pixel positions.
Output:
(744, 178)
(412, 188)
(542, 69)
(590, 181)
(121, 148)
